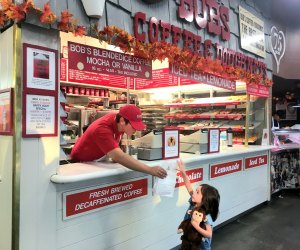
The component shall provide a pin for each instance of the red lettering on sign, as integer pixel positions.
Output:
(207, 14)
(256, 161)
(85, 201)
(225, 168)
(194, 175)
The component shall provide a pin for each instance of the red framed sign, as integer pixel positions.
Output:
(40, 91)
(6, 112)
(40, 114)
(170, 143)
(213, 140)
(40, 68)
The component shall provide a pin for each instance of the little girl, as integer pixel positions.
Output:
(206, 197)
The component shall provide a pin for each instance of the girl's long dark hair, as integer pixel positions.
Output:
(210, 200)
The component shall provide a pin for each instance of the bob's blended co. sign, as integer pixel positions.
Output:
(206, 14)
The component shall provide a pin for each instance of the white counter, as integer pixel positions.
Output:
(74, 172)
(95, 209)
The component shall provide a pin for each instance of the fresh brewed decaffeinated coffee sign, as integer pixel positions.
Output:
(80, 202)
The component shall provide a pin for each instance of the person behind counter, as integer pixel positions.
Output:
(102, 138)
(275, 121)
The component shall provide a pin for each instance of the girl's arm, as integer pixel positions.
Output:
(186, 179)
(207, 233)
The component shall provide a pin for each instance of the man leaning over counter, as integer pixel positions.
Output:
(102, 138)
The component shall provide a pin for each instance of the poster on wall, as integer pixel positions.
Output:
(39, 115)
(252, 33)
(40, 67)
(170, 143)
(6, 112)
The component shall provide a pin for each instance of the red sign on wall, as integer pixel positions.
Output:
(258, 90)
(63, 69)
(81, 202)
(194, 175)
(160, 78)
(256, 161)
(84, 58)
(217, 170)
(206, 78)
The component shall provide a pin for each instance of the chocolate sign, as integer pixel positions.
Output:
(277, 45)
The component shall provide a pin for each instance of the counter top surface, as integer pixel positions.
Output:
(81, 171)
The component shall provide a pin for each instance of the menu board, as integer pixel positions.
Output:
(160, 78)
(84, 59)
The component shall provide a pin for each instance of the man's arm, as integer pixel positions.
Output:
(127, 161)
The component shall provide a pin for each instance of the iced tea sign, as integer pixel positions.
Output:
(89, 200)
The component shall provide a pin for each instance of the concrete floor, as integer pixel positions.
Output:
(272, 226)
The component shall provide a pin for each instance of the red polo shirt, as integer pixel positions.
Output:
(101, 137)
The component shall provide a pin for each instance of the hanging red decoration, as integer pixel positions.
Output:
(113, 35)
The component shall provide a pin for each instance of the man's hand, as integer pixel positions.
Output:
(158, 172)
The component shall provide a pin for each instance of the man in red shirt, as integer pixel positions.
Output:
(102, 138)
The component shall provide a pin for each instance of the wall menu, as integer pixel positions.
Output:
(84, 58)
(160, 78)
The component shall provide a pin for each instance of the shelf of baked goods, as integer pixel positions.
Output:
(236, 126)
(153, 116)
(205, 102)
(227, 114)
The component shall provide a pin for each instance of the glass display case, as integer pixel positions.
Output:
(285, 162)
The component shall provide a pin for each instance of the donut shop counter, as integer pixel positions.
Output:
(103, 205)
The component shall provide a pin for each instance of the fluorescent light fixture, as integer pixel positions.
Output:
(93, 8)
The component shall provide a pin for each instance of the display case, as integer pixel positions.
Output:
(223, 112)
(285, 162)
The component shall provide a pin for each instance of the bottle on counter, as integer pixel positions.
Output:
(229, 137)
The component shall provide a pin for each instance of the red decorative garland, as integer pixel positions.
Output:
(184, 59)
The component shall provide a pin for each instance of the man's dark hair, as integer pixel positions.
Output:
(118, 117)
